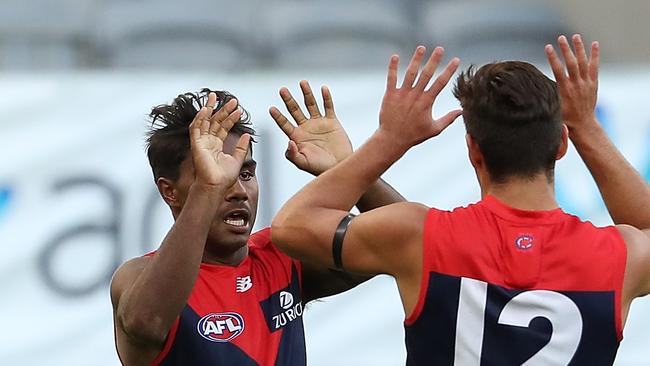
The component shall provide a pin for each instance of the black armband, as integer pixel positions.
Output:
(339, 236)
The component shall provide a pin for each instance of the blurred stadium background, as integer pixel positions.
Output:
(77, 78)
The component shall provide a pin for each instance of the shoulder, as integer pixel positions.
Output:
(637, 268)
(260, 239)
(125, 275)
(261, 248)
(636, 242)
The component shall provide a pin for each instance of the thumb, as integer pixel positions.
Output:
(294, 156)
(445, 121)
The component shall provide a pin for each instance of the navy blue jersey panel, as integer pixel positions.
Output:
(190, 348)
(535, 326)
(435, 328)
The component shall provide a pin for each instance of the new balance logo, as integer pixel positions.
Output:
(244, 283)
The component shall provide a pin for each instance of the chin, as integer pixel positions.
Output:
(228, 239)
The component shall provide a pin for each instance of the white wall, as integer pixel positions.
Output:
(84, 133)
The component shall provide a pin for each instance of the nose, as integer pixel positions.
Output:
(236, 192)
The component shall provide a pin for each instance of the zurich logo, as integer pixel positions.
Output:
(220, 327)
(286, 299)
(524, 242)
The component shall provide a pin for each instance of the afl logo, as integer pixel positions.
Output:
(524, 242)
(220, 327)
(286, 299)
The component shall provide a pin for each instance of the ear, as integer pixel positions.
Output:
(167, 191)
(564, 143)
(475, 155)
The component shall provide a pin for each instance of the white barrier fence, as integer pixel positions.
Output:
(77, 199)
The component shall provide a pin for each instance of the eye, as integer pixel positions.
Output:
(246, 175)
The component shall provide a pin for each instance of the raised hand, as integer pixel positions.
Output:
(316, 143)
(406, 112)
(213, 167)
(579, 89)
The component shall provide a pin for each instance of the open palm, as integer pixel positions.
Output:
(406, 111)
(207, 134)
(316, 143)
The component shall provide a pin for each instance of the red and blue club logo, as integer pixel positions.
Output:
(524, 242)
(220, 327)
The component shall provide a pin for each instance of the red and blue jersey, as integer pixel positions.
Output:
(250, 314)
(503, 286)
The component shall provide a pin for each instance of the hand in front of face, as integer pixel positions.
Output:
(316, 143)
(579, 90)
(406, 112)
(213, 167)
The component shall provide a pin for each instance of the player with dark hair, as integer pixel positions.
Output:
(511, 279)
(213, 293)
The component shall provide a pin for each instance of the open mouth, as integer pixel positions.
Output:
(237, 218)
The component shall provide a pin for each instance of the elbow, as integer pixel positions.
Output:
(142, 328)
(279, 232)
(284, 229)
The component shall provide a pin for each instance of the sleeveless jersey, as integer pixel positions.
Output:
(242, 316)
(503, 287)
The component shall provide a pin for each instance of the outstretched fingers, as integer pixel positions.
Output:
(391, 80)
(310, 100)
(328, 103)
(197, 124)
(292, 106)
(413, 67)
(430, 68)
(569, 58)
(281, 121)
(443, 79)
(594, 61)
(222, 129)
(201, 124)
(242, 148)
(211, 103)
(556, 65)
(581, 55)
(223, 120)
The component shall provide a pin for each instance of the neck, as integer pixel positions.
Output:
(224, 256)
(533, 194)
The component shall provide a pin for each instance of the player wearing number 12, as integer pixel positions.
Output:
(511, 279)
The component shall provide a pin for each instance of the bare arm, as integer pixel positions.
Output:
(384, 240)
(148, 294)
(624, 191)
(317, 143)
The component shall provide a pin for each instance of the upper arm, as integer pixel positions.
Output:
(130, 349)
(320, 281)
(383, 240)
(123, 279)
(637, 269)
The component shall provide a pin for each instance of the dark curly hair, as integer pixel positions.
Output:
(168, 138)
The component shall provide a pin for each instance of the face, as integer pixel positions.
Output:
(235, 216)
